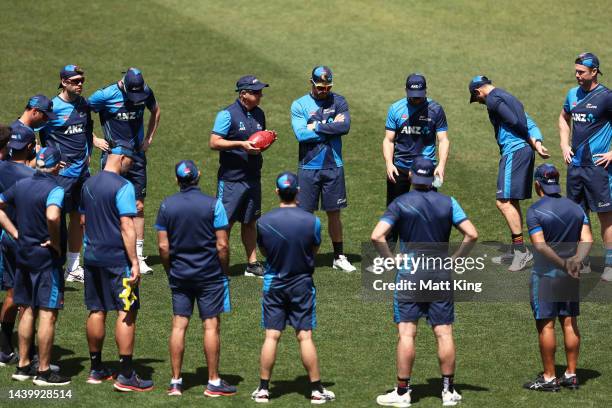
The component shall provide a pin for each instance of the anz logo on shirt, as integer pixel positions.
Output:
(241, 126)
(583, 117)
(415, 130)
(127, 116)
(74, 129)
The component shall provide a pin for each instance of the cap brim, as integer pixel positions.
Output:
(50, 114)
(422, 180)
(550, 188)
(416, 93)
(473, 98)
(137, 97)
(18, 145)
(253, 87)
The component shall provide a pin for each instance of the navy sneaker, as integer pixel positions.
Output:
(8, 359)
(224, 389)
(133, 383)
(99, 376)
(175, 389)
(25, 373)
(539, 384)
(50, 378)
(571, 383)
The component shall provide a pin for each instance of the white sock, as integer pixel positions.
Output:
(139, 247)
(216, 382)
(176, 381)
(547, 379)
(567, 375)
(73, 259)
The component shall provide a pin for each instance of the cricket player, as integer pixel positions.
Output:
(193, 246)
(556, 226)
(5, 136)
(239, 176)
(289, 238)
(39, 279)
(423, 216)
(112, 267)
(121, 107)
(587, 116)
(319, 120)
(518, 137)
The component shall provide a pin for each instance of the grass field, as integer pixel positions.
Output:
(191, 54)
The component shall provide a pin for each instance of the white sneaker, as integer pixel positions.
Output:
(144, 268)
(260, 395)
(76, 275)
(520, 260)
(317, 397)
(606, 276)
(449, 398)
(343, 264)
(393, 399)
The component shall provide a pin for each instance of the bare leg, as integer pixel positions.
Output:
(96, 330)
(334, 225)
(46, 334)
(177, 344)
(446, 348)
(547, 340)
(248, 233)
(406, 350)
(125, 332)
(26, 334)
(571, 336)
(212, 346)
(268, 353)
(511, 210)
(308, 352)
(75, 232)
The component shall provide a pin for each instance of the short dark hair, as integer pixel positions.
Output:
(287, 195)
(189, 183)
(5, 135)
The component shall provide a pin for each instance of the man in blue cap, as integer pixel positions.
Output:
(239, 176)
(39, 279)
(38, 111)
(319, 120)
(112, 267)
(193, 247)
(518, 137)
(121, 106)
(423, 216)
(587, 117)
(561, 236)
(289, 237)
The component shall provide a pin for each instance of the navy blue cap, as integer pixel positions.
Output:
(135, 88)
(122, 147)
(250, 83)
(422, 171)
(322, 76)
(69, 71)
(287, 181)
(475, 83)
(21, 137)
(588, 60)
(48, 157)
(43, 104)
(416, 86)
(186, 170)
(548, 177)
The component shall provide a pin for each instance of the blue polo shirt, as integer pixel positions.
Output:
(236, 123)
(320, 148)
(10, 173)
(105, 198)
(288, 235)
(509, 121)
(415, 128)
(591, 123)
(191, 219)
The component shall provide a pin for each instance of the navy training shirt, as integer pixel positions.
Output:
(235, 123)
(288, 235)
(509, 121)
(105, 198)
(191, 219)
(10, 173)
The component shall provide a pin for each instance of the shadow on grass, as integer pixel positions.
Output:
(584, 374)
(433, 388)
(237, 269)
(300, 385)
(323, 260)
(200, 378)
(153, 260)
(141, 365)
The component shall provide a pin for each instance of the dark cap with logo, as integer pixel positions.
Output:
(47, 157)
(250, 83)
(122, 148)
(588, 60)
(135, 88)
(475, 83)
(548, 176)
(416, 86)
(21, 137)
(422, 171)
(43, 104)
(287, 181)
(322, 76)
(186, 170)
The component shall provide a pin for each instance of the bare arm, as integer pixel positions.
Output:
(163, 245)
(564, 136)
(223, 250)
(539, 243)
(216, 142)
(470, 236)
(152, 127)
(388, 147)
(128, 233)
(6, 224)
(379, 239)
(443, 150)
(54, 214)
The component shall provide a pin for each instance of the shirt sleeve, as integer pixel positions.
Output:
(125, 200)
(8, 196)
(161, 223)
(441, 124)
(259, 236)
(222, 124)
(533, 223)
(391, 124)
(566, 104)
(151, 102)
(56, 197)
(534, 130)
(220, 221)
(510, 119)
(458, 213)
(392, 214)
(585, 219)
(337, 128)
(97, 101)
(299, 124)
(317, 231)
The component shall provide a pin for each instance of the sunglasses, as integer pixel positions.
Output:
(76, 81)
(323, 88)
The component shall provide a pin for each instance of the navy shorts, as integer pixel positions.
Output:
(554, 297)
(241, 199)
(326, 185)
(589, 186)
(38, 288)
(437, 313)
(515, 175)
(106, 288)
(8, 264)
(293, 304)
(213, 298)
(72, 191)
(137, 175)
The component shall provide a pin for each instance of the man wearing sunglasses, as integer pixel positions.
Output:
(587, 117)
(240, 162)
(319, 120)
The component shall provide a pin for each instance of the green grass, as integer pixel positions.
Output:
(191, 53)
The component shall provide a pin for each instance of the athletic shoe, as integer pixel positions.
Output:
(255, 269)
(260, 395)
(50, 378)
(24, 373)
(520, 260)
(539, 384)
(132, 383)
(175, 389)
(99, 376)
(76, 275)
(450, 398)
(505, 258)
(8, 359)
(571, 382)
(222, 390)
(343, 264)
(318, 397)
(606, 276)
(393, 399)
(144, 268)
(34, 362)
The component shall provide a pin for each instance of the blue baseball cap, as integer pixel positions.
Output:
(186, 170)
(123, 148)
(475, 83)
(287, 181)
(322, 76)
(422, 171)
(43, 104)
(48, 157)
(69, 71)
(416, 86)
(548, 176)
(250, 83)
(135, 88)
(588, 60)
(21, 137)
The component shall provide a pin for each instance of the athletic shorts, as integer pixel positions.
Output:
(241, 199)
(72, 191)
(515, 175)
(137, 174)
(38, 288)
(554, 297)
(437, 313)
(325, 185)
(212, 298)
(8, 264)
(293, 304)
(589, 186)
(107, 288)
(401, 186)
